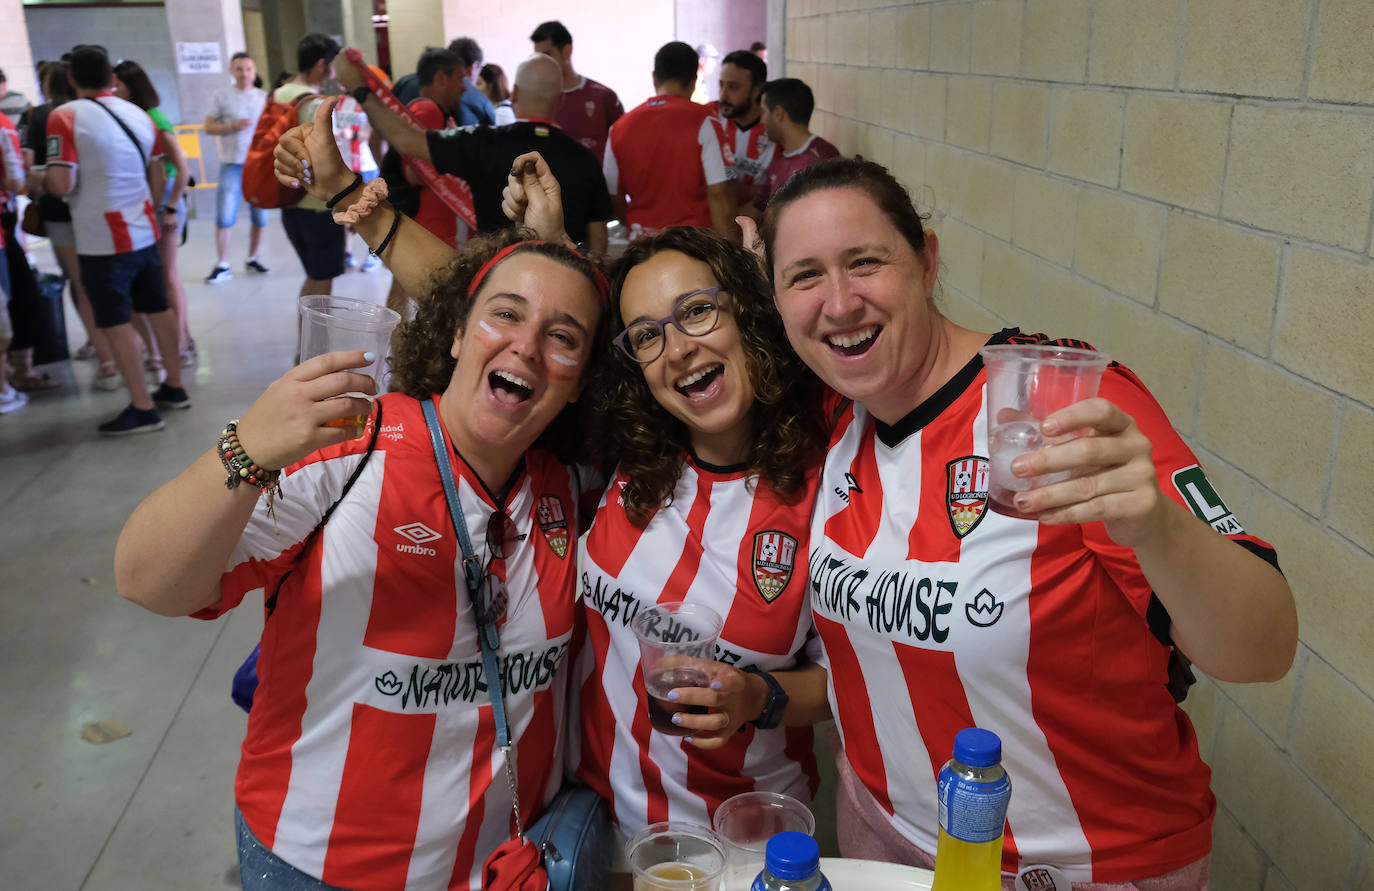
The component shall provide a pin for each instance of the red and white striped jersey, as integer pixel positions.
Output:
(112, 210)
(937, 614)
(747, 151)
(737, 549)
(371, 759)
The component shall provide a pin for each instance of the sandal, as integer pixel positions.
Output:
(34, 380)
(86, 352)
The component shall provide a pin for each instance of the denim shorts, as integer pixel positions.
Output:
(229, 194)
(262, 870)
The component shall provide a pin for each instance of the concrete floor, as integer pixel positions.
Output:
(152, 810)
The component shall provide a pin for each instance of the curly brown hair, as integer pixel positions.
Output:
(630, 427)
(422, 362)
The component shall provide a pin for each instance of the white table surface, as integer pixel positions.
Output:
(870, 875)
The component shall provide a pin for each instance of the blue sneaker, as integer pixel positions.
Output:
(133, 420)
(167, 396)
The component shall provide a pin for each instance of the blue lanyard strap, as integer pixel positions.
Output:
(487, 635)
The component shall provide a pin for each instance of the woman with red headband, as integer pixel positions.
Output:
(371, 758)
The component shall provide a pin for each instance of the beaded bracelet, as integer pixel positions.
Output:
(344, 192)
(395, 221)
(241, 468)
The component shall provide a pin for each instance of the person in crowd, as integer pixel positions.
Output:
(12, 102)
(492, 82)
(440, 72)
(1054, 632)
(718, 432)
(589, 108)
(483, 155)
(739, 123)
(133, 85)
(22, 283)
(233, 114)
(501, 345)
(787, 106)
(280, 838)
(104, 155)
(474, 108)
(57, 222)
(316, 239)
(760, 49)
(663, 160)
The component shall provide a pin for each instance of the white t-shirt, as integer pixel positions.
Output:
(229, 105)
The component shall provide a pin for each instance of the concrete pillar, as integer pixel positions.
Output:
(284, 23)
(15, 56)
(204, 21)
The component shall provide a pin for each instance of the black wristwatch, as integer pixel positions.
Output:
(771, 716)
(360, 95)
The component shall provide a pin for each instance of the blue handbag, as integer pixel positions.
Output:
(573, 836)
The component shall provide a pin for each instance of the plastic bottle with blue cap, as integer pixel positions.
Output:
(974, 793)
(791, 862)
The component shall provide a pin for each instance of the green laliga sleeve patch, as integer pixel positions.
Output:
(1204, 501)
(54, 147)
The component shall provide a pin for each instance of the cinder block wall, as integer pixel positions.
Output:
(1189, 185)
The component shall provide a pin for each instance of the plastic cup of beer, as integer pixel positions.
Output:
(744, 825)
(1026, 384)
(329, 324)
(676, 640)
(675, 857)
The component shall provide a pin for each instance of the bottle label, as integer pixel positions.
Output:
(973, 811)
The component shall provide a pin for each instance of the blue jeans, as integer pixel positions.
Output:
(261, 870)
(229, 194)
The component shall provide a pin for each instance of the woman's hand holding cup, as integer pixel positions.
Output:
(292, 417)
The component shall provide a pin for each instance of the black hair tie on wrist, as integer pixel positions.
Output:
(344, 192)
(395, 222)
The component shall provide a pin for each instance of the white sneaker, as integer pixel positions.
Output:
(108, 382)
(10, 399)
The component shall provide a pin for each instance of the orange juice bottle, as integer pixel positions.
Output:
(974, 792)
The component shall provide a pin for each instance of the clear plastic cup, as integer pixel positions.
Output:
(329, 324)
(1026, 384)
(746, 822)
(675, 857)
(675, 640)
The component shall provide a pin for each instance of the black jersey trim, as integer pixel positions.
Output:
(1157, 614)
(916, 420)
(721, 469)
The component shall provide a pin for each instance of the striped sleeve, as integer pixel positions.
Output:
(1180, 477)
(271, 546)
(62, 136)
(712, 158)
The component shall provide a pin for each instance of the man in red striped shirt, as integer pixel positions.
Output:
(103, 157)
(787, 106)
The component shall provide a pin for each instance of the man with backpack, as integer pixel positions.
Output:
(318, 241)
(103, 157)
